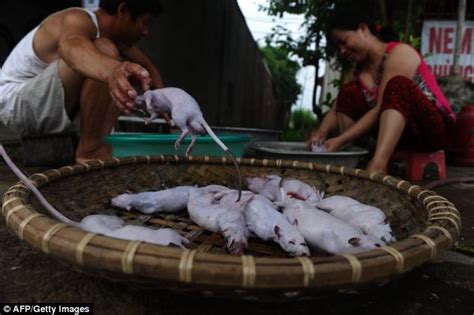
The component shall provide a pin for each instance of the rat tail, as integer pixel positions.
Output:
(55, 213)
(228, 152)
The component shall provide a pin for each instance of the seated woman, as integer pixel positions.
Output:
(392, 93)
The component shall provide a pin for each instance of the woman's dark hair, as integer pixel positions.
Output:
(135, 7)
(350, 19)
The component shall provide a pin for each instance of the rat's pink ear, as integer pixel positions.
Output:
(354, 241)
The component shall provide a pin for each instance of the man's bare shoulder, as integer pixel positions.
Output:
(72, 20)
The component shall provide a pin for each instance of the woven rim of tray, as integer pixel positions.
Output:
(152, 262)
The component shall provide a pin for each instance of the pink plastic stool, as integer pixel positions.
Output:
(417, 161)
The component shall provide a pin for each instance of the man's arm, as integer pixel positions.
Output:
(134, 54)
(77, 49)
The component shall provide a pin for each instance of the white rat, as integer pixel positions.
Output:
(115, 227)
(163, 236)
(324, 231)
(270, 185)
(266, 185)
(206, 211)
(170, 200)
(370, 219)
(101, 224)
(263, 219)
(186, 114)
(318, 147)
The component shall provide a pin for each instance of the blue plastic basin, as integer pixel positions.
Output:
(156, 144)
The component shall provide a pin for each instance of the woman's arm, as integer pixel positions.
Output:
(328, 124)
(402, 60)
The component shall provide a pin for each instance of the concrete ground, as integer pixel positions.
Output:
(443, 286)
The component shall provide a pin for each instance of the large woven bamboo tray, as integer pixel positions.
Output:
(425, 225)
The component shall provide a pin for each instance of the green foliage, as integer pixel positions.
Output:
(302, 119)
(302, 122)
(328, 100)
(414, 41)
(294, 135)
(310, 47)
(283, 71)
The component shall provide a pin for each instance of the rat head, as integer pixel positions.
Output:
(292, 241)
(169, 237)
(123, 201)
(232, 226)
(255, 184)
(359, 243)
(142, 102)
(236, 246)
(384, 233)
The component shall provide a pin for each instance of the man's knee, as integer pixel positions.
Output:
(107, 47)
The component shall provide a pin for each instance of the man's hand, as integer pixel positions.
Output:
(120, 85)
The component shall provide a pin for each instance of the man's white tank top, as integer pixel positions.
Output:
(23, 64)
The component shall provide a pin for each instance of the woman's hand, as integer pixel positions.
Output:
(316, 137)
(333, 144)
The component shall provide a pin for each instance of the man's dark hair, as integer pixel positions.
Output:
(135, 7)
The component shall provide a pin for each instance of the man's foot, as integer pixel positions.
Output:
(104, 152)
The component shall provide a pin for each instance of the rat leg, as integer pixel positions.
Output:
(193, 131)
(184, 133)
(197, 128)
(150, 119)
(189, 150)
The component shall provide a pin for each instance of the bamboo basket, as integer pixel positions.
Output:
(425, 225)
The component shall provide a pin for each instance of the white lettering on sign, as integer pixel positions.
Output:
(437, 46)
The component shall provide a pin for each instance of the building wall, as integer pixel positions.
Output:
(206, 48)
